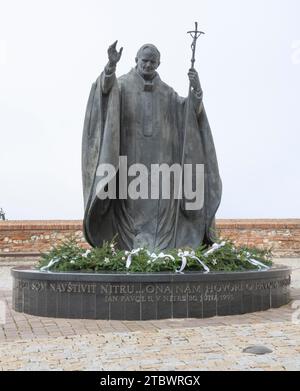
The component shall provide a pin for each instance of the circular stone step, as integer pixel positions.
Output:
(145, 296)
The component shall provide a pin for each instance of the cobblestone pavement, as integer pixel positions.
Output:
(36, 343)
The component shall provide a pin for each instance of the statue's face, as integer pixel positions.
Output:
(147, 63)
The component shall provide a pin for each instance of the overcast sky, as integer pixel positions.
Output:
(249, 66)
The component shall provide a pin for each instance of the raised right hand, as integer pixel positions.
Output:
(113, 55)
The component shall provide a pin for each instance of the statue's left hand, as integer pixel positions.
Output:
(194, 80)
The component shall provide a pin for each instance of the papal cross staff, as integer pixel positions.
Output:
(195, 34)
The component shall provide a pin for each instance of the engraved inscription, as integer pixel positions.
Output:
(38, 286)
(268, 284)
(61, 287)
(72, 287)
(138, 293)
(166, 298)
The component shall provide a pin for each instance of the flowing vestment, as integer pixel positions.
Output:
(145, 122)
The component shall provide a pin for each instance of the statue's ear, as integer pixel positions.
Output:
(136, 60)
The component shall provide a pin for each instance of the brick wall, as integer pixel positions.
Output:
(23, 238)
(282, 236)
(32, 237)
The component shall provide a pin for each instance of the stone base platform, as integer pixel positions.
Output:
(141, 296)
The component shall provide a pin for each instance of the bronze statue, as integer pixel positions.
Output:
(140, 117)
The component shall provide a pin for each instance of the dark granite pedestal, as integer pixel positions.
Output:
(141, 296)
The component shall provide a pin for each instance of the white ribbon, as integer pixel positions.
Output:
(50, 264)
(153, 256)
(85, 255)
(186, 254)
(130, 254)
(214, 248)
(161, 255)
(260, 265)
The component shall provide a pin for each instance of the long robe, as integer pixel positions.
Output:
(145, 122)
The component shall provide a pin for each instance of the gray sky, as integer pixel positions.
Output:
(249, 66)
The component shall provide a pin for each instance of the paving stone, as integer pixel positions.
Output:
(170, 344)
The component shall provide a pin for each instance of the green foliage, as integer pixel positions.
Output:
(69, 256)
